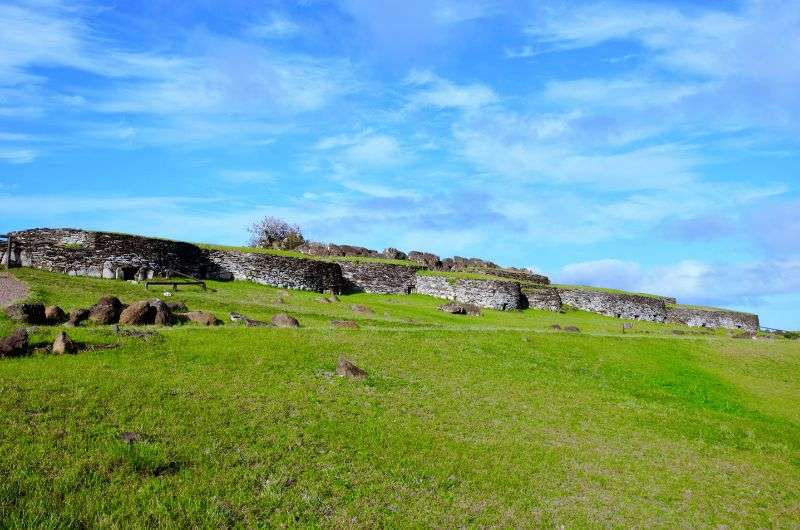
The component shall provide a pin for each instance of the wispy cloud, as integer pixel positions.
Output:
(277, 26)
(17, 156)
(434, 91)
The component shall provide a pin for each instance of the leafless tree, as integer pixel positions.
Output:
(271, 232)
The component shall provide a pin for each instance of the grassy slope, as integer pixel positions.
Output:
(476, 421)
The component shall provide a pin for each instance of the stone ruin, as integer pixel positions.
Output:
(129, 257)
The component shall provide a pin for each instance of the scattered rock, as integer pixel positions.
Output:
(177, 307)
(54, 314)
(744, 335)
(201, 317)
(15, 345)
(323, 300)
(27, 313)
(555, 326)
(76, 316)
(393, 253)
(453, 308)
(249, 322)
(344, 324)
(107, 310)
(358, 308)
(572, 329)
(345, 368)
(627, 325)
(131, 437)
(162, 316)
(135, 333)
(138, 314)
(282, 320)
(473, 310)
(63, 344)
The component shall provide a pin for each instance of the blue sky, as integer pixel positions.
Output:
(650, 146)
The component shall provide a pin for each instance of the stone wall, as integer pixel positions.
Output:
(269, 269)
(493, 294)
(517, 274)
(104, 255)
(125, 257)
(619, 305)
(546, 298)
(708, 318)
(380, 278)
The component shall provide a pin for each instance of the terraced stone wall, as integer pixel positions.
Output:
(383, 278)
(708, 318)
(619, 305)
(493, 294)
(546, 298)
(277, 271)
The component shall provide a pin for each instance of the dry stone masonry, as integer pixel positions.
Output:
(327, 268)
(378, 277)
(713, 318)
(492, 294)
(619, 305)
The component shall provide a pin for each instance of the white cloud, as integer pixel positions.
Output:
(690, 281)
(366, 149)
(17, 156)
(277, 26)
(523, 52)
(437, 92)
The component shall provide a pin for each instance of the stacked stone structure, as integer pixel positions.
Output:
(129, 257)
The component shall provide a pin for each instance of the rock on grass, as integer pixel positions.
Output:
(282, 320)
(54, 314)
(63, 344)
(15, 345)
(344, 324)
(107, 310)
(202, 317)
(345, 368)
(27, 313)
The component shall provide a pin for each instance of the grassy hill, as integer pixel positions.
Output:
(497, 420)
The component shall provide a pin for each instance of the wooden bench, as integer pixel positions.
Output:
(174, 284)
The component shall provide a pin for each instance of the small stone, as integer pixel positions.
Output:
(344, 324)
(162, 316)
(177, 307)
(130, 437)
(107, 310)
(282, 320)
(345, 368)
(63, 344)
(76, 316)
(54, 314)
(15, 345)
(27, 313)
(323, 300)
(555, 326)
(138, 314)
(358, 308)
(453, 308)
(201, 317)
(572, 329)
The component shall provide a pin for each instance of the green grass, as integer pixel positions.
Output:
(490, 421)
(602, 290)
(300, 255)
(702, 307)
(464, 275)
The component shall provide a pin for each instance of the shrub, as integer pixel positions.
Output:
(271, 232)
